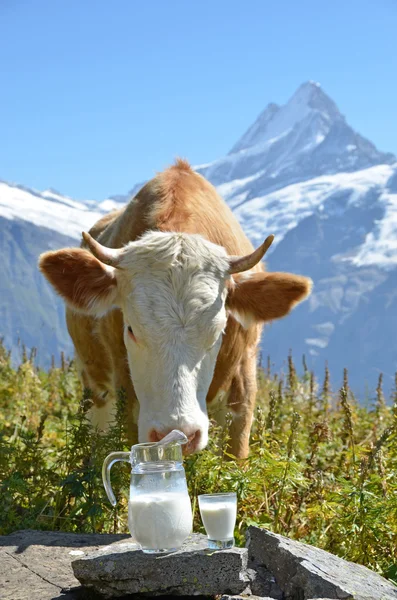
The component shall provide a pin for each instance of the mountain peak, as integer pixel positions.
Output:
(308, 88)
(275, 121)
(308, 94)
(305, 138)
(313, 96)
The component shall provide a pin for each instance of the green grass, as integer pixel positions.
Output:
(322, 469)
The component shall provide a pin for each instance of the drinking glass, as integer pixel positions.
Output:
(218, 513)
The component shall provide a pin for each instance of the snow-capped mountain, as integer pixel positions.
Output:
(283, 210)
(305, 138)
(300, 172)
(51, 210)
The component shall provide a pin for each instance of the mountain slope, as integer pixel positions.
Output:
(50, 209)
(30, 223)
(350, 319)
(29, 310)
(300, 172)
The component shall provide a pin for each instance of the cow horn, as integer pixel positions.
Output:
(244, 263)
(109, 256)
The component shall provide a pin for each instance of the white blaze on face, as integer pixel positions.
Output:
(173, 297)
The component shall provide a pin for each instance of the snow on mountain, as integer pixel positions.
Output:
(380, 245)
(51, 210)
(281, 211)
(301, 172)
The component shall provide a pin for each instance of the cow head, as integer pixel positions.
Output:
(175, 291)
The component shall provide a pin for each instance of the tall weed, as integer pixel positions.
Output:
(322, 468)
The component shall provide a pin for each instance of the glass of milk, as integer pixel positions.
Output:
(218, 513)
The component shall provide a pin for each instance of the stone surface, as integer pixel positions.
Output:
(304, 572)
(36, 565)
(246, 597)
(262, 583)
(122, 569)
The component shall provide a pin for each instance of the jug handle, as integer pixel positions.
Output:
(108, 463)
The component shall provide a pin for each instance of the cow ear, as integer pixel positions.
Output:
(261, 297)
(86, 284)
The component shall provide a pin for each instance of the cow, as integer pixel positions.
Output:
(166, 299)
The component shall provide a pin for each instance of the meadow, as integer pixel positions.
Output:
(322, 468)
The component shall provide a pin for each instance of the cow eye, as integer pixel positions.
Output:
(212, 346)
(131, 333)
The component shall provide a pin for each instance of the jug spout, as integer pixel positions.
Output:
(169, 446)
(174, 437)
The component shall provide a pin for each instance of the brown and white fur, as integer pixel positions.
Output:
(168, 322)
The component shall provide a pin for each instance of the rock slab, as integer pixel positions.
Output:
(121, 569)
(36, 565)
(304, 572)
(245, 597)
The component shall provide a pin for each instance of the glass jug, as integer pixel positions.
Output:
(159, 509)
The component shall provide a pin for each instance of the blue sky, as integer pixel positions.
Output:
(98, 95)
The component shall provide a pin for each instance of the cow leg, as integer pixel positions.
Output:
(123, 384)
(112, 330)
(241, 402)
(102, 413)
(102, 408)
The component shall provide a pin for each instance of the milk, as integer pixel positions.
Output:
(219, 519)
(160, 521)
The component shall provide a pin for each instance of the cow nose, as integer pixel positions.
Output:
(193, 443)
(189, 448)
(156, 436)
